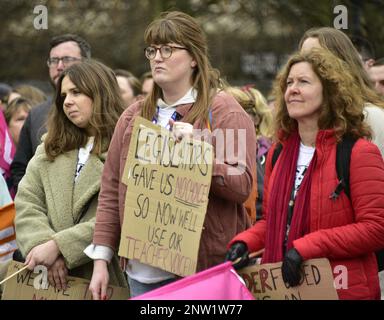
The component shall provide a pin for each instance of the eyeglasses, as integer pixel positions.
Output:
(53, 62)
(165, 51)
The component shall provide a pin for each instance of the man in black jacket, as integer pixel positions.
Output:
(64, 51)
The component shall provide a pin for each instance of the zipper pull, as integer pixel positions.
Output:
(335, 194)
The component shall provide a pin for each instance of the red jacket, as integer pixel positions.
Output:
(346, 232)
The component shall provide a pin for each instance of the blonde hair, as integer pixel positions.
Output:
(180, 28)
(254, 103)
(342, 47)
(342, 108)
(33, 94)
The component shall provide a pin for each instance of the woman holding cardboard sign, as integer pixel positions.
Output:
(57, 198)
(185, 93)
(307, 213)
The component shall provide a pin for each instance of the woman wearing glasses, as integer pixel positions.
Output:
(186, 89)
(57, 197)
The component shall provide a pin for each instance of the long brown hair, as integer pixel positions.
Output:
(341, 46)
(342, 108)
(99, 83)
(182, 29)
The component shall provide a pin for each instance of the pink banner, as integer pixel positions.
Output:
(7, 148)
(218, 283)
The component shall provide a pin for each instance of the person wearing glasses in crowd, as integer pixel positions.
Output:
(65, 50)
(187, 90)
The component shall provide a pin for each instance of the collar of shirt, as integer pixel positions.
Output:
(189, 97)
(85, 151)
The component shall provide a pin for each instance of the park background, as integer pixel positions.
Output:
(248, 40)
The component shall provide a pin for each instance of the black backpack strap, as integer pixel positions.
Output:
(343, 161)
(276, 153)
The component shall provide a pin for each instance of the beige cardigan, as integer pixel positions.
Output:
(49, 205)
(374, 116)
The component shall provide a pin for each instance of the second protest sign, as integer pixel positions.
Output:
(167, 196)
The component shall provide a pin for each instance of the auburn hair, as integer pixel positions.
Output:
(342, 108)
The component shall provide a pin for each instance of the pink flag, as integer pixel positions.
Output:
(218, 283)
(7, 148)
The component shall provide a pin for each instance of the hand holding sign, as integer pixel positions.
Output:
(45, 254)
(238, 253)
(181, 130)
(265, 281)
(100, 279)
(291, 268)
(57, 274)
(21, 286)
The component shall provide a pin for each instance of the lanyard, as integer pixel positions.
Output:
(175, 117)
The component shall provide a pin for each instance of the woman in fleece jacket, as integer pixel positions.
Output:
(57, 198)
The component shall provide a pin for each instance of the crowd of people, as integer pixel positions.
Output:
(63, 159)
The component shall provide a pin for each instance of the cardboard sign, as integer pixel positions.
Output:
(167, 196)
(22, 287)
(266, 283)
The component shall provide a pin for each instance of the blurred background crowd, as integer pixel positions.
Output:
(248, 39)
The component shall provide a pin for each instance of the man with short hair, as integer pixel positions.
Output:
(64, 50)
(365, 50)
(376, 72)
(375, 68)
